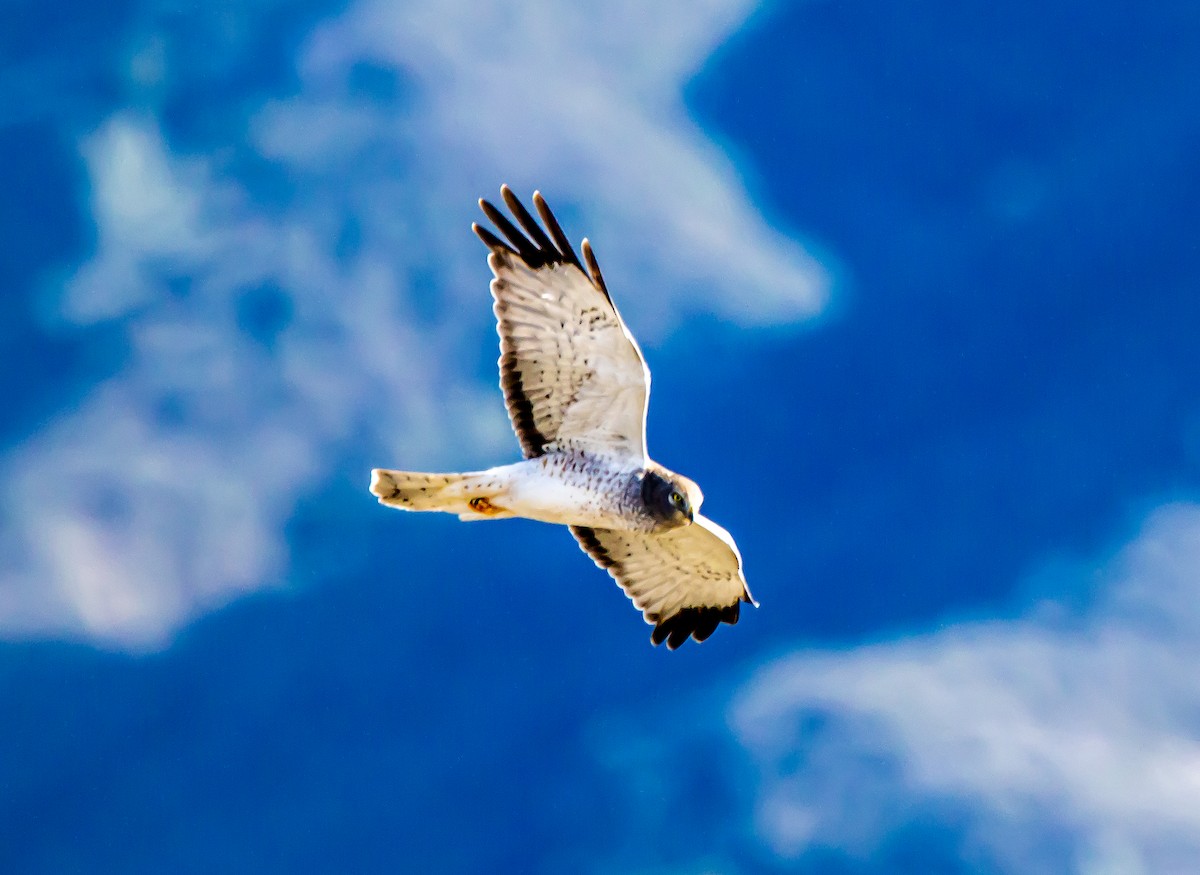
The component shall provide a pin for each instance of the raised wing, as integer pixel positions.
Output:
(685, 581)
(572, 375)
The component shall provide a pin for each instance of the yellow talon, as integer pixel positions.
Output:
(482, 505)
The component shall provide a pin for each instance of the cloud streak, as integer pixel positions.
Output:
(1063, 741)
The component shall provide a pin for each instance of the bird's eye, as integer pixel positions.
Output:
(677, 499)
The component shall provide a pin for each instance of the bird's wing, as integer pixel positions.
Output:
(685, 581)
(573, 376)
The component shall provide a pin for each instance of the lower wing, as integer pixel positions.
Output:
(685, 581)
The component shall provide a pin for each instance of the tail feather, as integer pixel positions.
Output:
(468, 495)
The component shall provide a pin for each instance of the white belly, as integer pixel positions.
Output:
(545, 489)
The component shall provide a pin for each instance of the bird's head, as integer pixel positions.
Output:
(672, 499)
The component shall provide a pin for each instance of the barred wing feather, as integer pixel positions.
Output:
(573, 376)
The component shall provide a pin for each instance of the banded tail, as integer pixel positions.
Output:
(468, 495)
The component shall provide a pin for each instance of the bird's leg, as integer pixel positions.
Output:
(483, 506)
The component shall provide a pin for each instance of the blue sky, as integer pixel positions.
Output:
(918, 292)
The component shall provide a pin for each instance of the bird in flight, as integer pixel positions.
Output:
(577, 388)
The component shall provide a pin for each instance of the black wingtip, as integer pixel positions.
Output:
(538, 244)
(528, 222)
(556, 231)
(490, 240)
(594, 268)
(677, 637)
(516, 239)
(695, 623)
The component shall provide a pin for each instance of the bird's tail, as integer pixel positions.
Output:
(471, 496)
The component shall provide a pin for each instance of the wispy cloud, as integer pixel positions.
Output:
(263, 352)
(587, 104)
(1066, 740)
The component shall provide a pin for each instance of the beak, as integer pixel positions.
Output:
(691, 516)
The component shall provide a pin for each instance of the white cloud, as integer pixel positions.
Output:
(1067, 740)
(167, 489)
(584, 102)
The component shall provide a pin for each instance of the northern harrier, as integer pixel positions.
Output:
(577, 387)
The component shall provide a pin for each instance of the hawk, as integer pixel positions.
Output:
(577, 388)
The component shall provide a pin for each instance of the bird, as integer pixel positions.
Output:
(577, 390)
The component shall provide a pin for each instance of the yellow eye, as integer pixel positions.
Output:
(677, 500)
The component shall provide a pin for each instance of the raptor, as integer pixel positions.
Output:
(577, 388)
